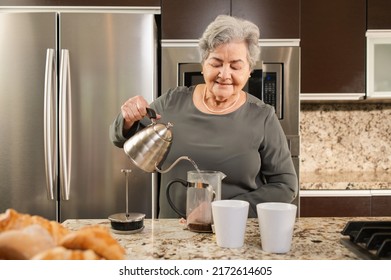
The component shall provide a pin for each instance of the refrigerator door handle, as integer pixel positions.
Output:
(65, 124)
(50, 145)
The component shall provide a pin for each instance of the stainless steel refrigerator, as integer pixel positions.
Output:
(63, 78)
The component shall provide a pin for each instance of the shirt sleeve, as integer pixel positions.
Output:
(116, 131)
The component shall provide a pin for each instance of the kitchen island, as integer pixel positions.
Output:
(313, 239)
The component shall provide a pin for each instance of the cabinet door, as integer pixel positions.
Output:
(333, 46)
(379, 14)
(80, 3)
(380, 206)
(277, 19)
(344, 206)
(187, 19)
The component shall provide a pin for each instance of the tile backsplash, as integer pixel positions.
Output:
(351, 137)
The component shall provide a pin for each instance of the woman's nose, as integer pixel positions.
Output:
(225, 72)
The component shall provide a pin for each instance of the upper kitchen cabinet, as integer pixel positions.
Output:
(143, 3)
(379, 14)
(276, 19)
(187, 19)
(333, 47)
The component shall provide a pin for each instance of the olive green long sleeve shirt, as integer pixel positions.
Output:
(248, 145)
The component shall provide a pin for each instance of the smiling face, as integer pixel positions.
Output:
(226, 70)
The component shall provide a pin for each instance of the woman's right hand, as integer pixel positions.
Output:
(134, 109)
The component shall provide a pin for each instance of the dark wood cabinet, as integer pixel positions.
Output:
(379, 14)
(335, 206)
(333, 46)
(276, 19)
(346, 206)
(381, 206)
(141, 3)
(187, 19)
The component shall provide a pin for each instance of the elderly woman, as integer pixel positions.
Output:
(218, 125)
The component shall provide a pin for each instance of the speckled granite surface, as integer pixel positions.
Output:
(345, 180)
(345, 146)
(313, 239)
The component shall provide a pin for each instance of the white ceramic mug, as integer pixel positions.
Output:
(276, 223)
(230, 220)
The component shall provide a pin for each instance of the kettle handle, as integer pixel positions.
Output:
(151, 113)
(185, 184)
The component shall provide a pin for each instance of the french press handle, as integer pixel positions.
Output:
(186, 185)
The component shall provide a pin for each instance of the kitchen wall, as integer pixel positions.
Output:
(346, 140)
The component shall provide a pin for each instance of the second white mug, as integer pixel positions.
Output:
(276, 223)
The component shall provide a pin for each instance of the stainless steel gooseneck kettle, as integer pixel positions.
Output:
(149, 146)
(146, 149)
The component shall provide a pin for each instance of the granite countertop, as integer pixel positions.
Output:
(313, 239)
(345, 180)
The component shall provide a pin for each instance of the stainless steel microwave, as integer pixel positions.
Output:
(265, 82)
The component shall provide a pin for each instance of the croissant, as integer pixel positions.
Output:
(25, 243)
(61, 253)
(23, 236)
(12, 219)
(96, 238)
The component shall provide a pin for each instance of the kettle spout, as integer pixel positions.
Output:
(173, 164)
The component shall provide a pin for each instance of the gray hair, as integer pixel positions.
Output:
(225, 29)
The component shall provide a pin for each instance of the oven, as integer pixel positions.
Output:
(275, 80)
